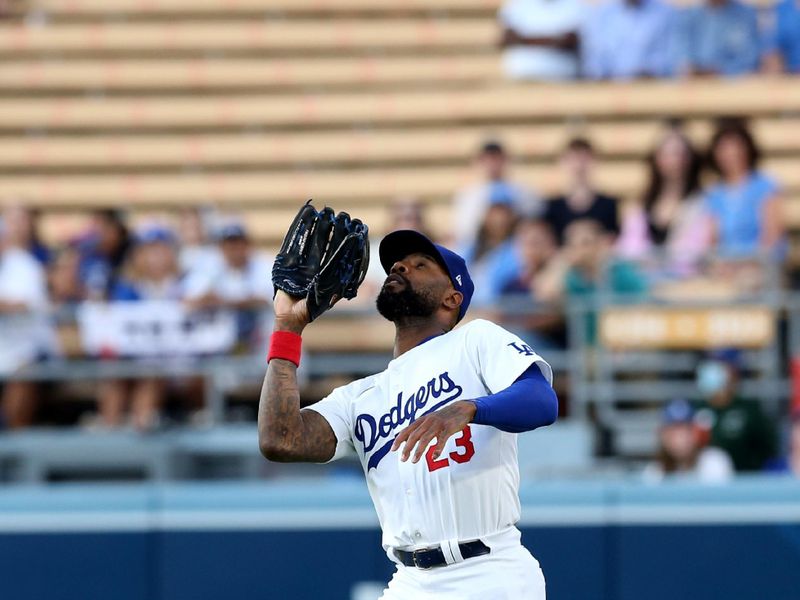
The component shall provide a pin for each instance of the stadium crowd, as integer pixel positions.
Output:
(701, 211)
(566, 39)
(708, 219)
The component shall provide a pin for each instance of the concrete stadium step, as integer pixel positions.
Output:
(262, 35)
(99, 8)
(362, 186)
(358, 186)
(133, 8)
(753, 96)
(456, 144)
(235, 74)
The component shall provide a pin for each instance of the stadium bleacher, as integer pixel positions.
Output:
(250, 106)
(242, 109)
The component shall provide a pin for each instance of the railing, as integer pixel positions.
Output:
(646, 353)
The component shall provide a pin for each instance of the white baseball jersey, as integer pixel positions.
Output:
(472, 489)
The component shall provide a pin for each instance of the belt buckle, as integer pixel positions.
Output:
(416, 562)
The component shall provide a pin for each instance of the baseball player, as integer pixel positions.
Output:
(435, 432)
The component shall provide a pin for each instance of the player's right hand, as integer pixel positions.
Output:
(291, 314)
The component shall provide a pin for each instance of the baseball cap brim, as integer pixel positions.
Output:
(399, 244)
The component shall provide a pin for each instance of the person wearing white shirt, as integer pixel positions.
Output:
(540, 38)
(242, 281)
(23, 327)
(196, 253)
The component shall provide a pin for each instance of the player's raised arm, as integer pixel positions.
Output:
(285, 433)
(323, 258)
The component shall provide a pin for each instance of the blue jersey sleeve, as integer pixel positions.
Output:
(526, 404)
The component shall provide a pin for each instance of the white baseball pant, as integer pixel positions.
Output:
(508, 572)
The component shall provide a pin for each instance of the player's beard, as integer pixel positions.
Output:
(408, 303)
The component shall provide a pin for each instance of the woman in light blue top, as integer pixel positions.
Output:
(492, 258)
(745, 204)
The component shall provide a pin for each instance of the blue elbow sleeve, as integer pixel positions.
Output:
(526, 404)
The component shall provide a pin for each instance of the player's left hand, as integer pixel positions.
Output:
(440, 425)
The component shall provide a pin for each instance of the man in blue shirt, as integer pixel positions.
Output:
(628, 39)
(720, 38)
(783, 40)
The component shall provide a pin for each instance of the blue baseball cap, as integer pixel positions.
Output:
(231, 231)
(678, 411)
(156, 234)
(729, 356)
(501, 194)
(399, 244)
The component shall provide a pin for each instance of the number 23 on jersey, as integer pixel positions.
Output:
(464, 451)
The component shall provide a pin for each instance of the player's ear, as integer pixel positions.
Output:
(453, 300)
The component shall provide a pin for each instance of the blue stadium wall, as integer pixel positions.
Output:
(316, 541)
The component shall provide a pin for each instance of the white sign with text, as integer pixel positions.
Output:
(154, 328)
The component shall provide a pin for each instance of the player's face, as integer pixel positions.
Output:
(414, 288)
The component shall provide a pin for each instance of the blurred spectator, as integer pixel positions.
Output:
(719, 38)
(581, 200)
(670, 218)
(103, 253)
(627, 39)
(408, 213)
(782, 46)
(745, 204)
(470, 204)
(151, 274)
(403, 213)
(23, 327)
(736, 425)
(540, 38)
(64, 285)
(242, 282)
(197, 253)
(492, 259)
(587, 266)
(535, 246)
(20, 229)
(682, 452)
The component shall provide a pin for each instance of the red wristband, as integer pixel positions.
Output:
(286, 346)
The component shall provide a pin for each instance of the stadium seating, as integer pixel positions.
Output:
(498, 103)
(456, 144)
(221, 75)
(184, 7)
(252, 105)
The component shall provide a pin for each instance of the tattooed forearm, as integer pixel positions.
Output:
(285, 433)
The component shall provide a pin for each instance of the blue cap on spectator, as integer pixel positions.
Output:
(501, 194)
(678, 411)
(155, 234)
(399, 244)
(730, 356)
(232, 231)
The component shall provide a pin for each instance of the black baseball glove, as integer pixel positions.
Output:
(323, 258)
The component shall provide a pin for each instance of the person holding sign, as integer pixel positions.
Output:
(150, 274)
(240, 282)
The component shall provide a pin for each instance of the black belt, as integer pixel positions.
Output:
(428, 558)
